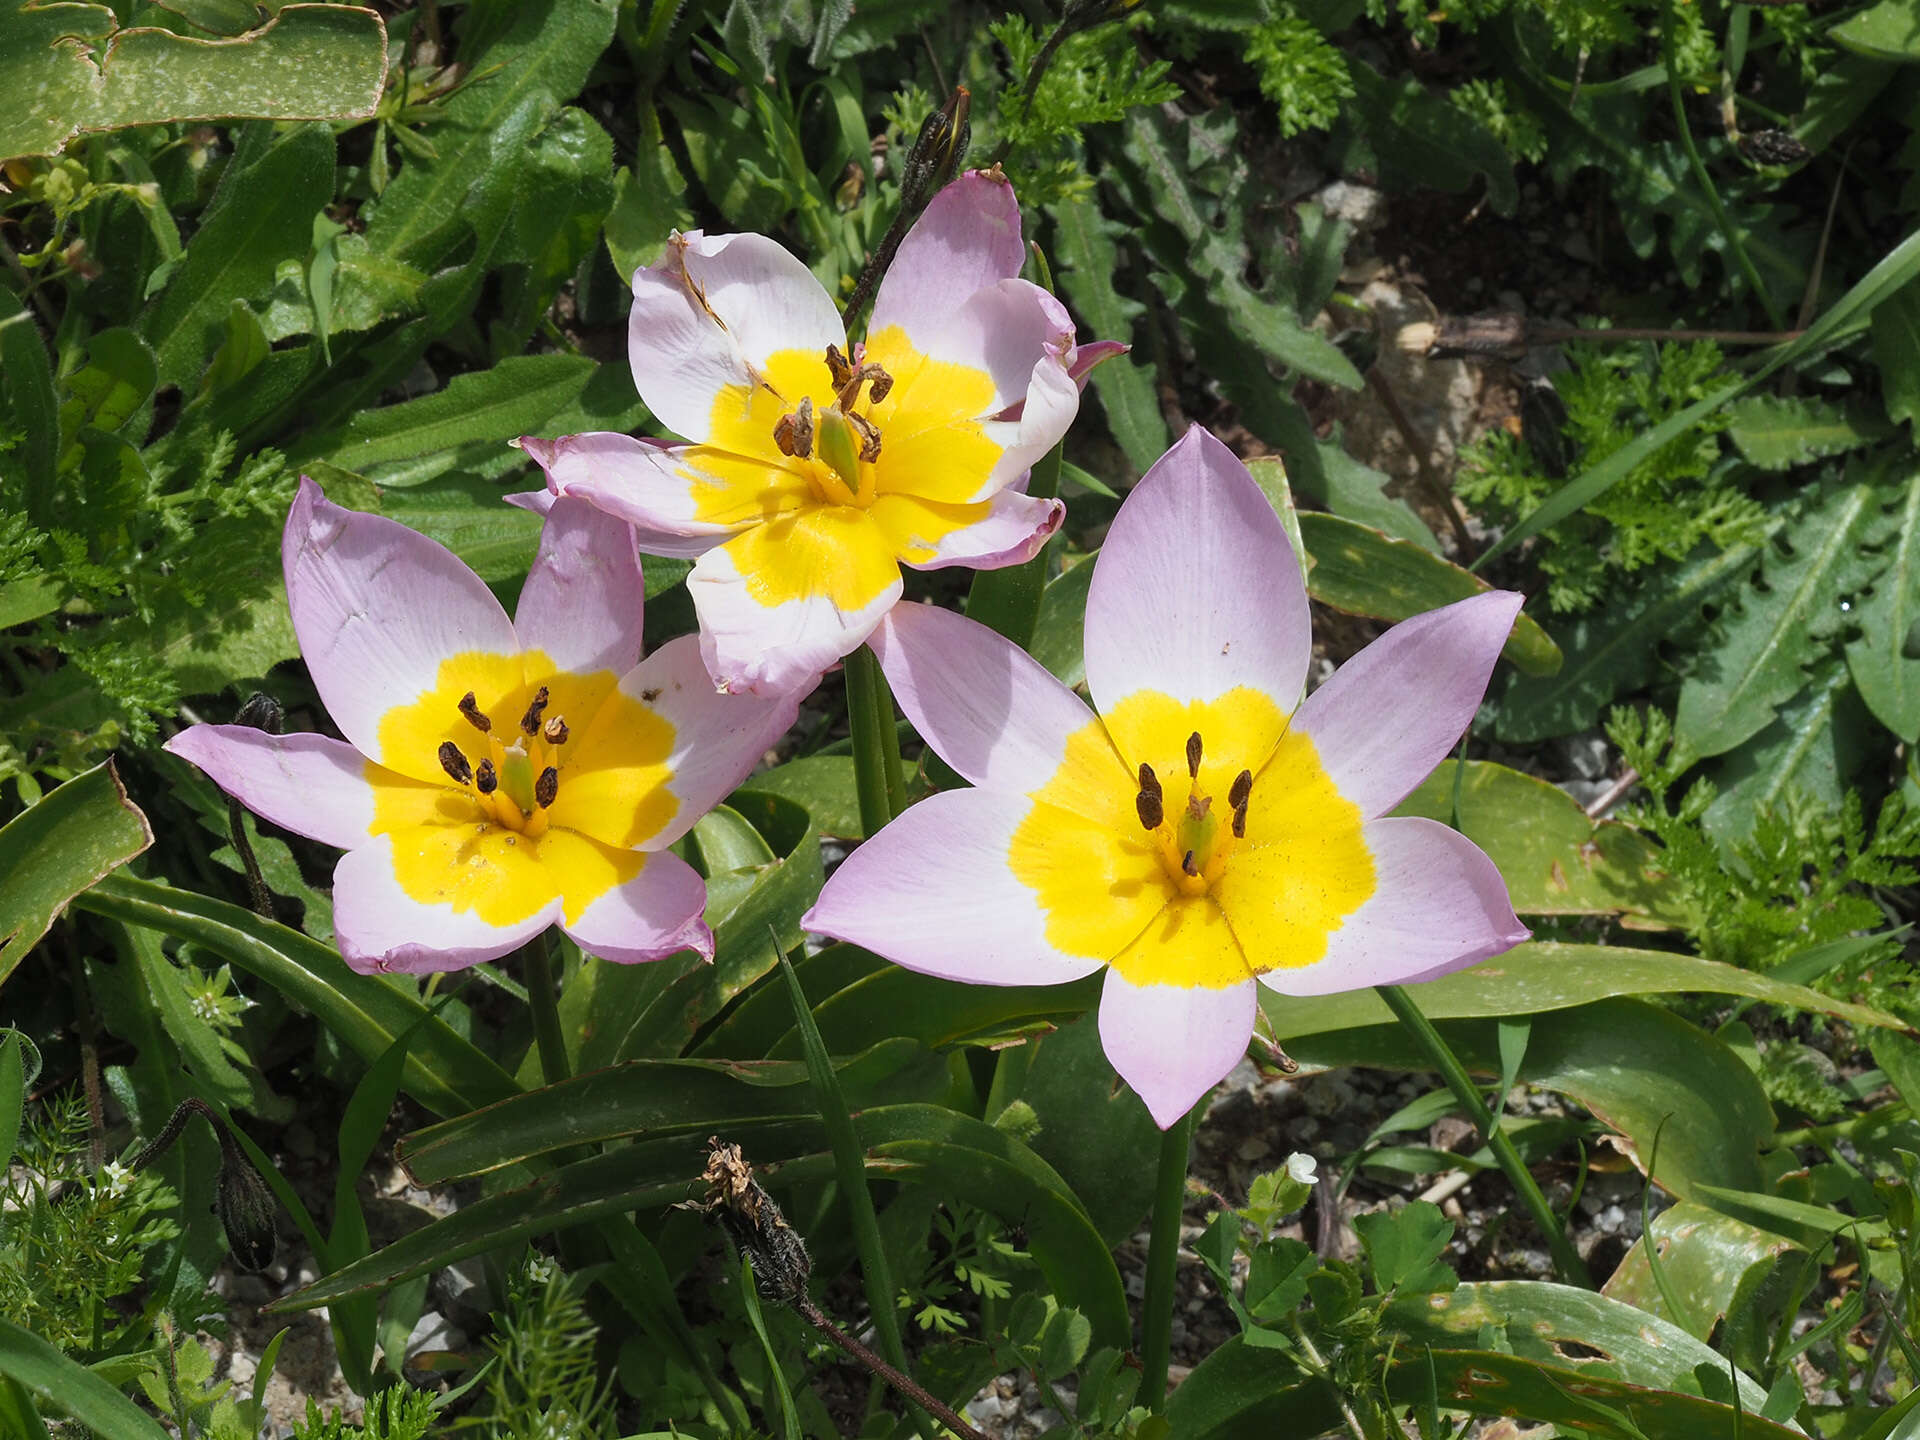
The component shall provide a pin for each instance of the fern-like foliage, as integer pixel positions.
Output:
(1663, 510)
(398, 1413)
(1300, 72)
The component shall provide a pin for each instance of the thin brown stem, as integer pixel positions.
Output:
(1613, 794)
(1555, 334)
(908, 1387)
(1430, 481)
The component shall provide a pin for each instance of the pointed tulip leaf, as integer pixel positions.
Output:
(81, 832)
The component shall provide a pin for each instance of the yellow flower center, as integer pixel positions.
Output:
(1247, 866)
(508, 783)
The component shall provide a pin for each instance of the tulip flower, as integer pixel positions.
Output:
(814, 468)
(498, 775)
(1207, 832)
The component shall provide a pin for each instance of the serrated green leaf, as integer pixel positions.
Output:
(1814, 749)
(1616, 649)
(649, 204)
(1777, 433)
(1423, 140)
(1086, 259)
(50, 852)
(70, 68)
(1364, 572)
(1212, 250)
(541, 59)
(1768, 636)
(262, 213)
(366, 289)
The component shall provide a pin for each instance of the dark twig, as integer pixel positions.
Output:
(905, 1384)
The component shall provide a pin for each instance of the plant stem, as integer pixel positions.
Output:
(1668, 49)
(543, 999)
(876, 744)
(905, 1384)
(1566, 1259)
(1163, 1261)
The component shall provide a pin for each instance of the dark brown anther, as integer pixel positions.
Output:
(555, 731)
(530, 722)
(1193, 755)
(1187, 865)
(793, 433)
(455, 763)
(869, 437)
(1148, 803)
(473, 714)
(1240, 822)
(879, 383)
(1242, 788)
(547, 788)
(485, 779)
(839, 368)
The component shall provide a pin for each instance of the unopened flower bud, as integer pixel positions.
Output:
(937, 152)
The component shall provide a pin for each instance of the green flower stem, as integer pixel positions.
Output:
(850, 1166)
(543, 998)
(1008, 600)
(1730, 231)
(876, 743)
(1566, 1259)
(1163, 1261)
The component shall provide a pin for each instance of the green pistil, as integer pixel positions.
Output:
(838, 444)
(516, 778)
(1195, 833)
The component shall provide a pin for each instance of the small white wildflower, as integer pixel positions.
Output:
(115, 1178)
(1301, 1168)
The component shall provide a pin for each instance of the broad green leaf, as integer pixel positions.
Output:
(1562, 1325)
(1899, 1056)
(1329, 477)
(167, 986)
(261, 214)
(649, 1098)
(1886, 31)
(1639, 1068)
(1085, 261)
(1815, 749)
(1778, 433)
(1269, 472)
(1896, 351)
(470, 517)
(1404, 1247)
(538, 60)
(29, 598)
(1554, 859)
(564, 195)
(112, 390)
(1707, 1259)
(1364, 572)
(1551, 975)
(1059, 633)
(71, 68)
(822, 785)
(13, 1081)
(1884, 660)
(648, 206)
(1771, 629)
(364, 289)
(444, 1072)
(1615, 649)
(26, 384)
(63, 1386)
(82, 831)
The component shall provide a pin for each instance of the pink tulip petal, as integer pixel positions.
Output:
(1196, 591)
(1052, 400)
(933, 892)
(655, 914)
(1171, 1043)
(989, 709)
(1003, 330)
(709, 315)
(377, 607)
(1391, 714)
(1091, 354)
(1012, 531)
(378, 927)
(769, 649)
(642, 482)
(1439, 905)
(309, 784)
(582, 600)
(967, 239)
